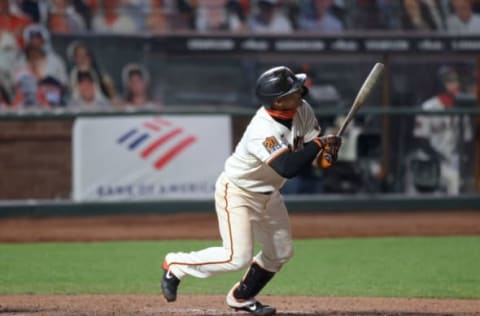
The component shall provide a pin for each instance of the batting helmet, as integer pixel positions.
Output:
(278, 82)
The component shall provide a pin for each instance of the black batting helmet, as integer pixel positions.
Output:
(278, 82)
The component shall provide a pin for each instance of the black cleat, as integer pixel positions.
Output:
(257, 309)
(251, 305)
(169, 285)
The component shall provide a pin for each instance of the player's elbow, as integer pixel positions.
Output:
(289, 164)
(282, 166)
(283, 170)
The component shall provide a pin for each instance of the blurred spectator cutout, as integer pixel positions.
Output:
(9, 52)
(367, 15)
(36, 35)
(138, 11)
(315, 16)
(35, 10)
(88, 97)
(418, 15)
(112, 19)
(235, 17)
(463, 20)
(136, 80)
(63, 18)
(157, 18)
(209, 15)
(33, 85)
(51, 93)
(269, 18)
(13, 23)
(82, 58)
(29, 75)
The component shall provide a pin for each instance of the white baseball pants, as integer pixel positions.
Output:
(243, 218)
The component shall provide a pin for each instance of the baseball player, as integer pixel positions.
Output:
(280, 140)
(440, 135)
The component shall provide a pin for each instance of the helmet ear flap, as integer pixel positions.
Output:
(304, 91)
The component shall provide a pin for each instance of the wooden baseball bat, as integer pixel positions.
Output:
(362, 95)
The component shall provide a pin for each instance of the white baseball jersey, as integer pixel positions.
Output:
(263, 140)
(443, 131)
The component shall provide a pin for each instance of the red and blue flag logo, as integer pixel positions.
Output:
(157, 136)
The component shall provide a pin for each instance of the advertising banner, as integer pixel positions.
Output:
(149, 157)
(379, 43)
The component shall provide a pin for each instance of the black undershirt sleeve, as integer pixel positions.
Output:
(289, 164)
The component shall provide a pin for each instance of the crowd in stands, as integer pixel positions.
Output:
(31, 73)
(259, 16)
(34, 76)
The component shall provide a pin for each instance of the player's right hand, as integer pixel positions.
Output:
(333, 141)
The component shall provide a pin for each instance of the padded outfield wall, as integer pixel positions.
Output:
(36, 168)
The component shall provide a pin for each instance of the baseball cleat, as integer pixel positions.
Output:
(257, 309)
(251, 305)
(169, 284)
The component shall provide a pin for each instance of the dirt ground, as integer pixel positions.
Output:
(315, 225)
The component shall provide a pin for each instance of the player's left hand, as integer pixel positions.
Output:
(329, 154)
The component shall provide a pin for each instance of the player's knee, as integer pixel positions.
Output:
(286, 254)
(274, 264)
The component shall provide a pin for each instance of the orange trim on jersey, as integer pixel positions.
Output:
(284, 115)
(277, 154)
(229, 234)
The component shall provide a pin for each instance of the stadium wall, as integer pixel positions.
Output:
(35, 155)
(35, 159)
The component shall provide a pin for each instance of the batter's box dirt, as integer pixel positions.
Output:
(211, 312)
(214, 305)
(26, 311)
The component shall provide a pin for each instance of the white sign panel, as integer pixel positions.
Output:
(148, 157)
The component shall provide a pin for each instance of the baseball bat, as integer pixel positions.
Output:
(362, 95)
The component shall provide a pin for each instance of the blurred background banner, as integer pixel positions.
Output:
(360, 43)
(148, 157)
